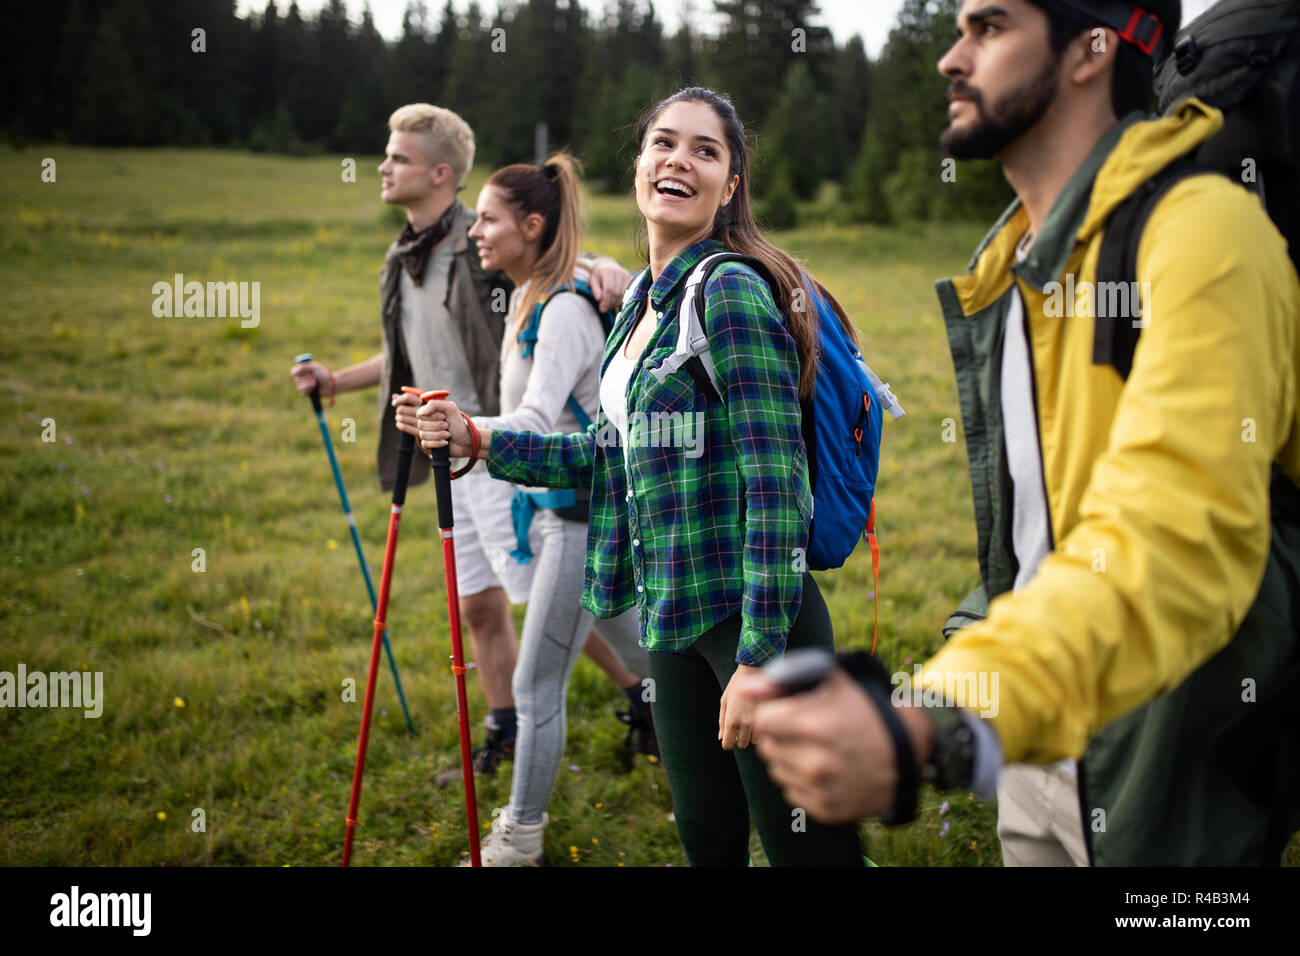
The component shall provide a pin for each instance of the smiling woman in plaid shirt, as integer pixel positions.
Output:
(701, 531)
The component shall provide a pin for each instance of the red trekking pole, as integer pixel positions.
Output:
(405, 450)
(441, 462)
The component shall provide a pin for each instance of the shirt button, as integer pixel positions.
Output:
(661, 315)
(639, 588)
(629, 496)
(636, 542)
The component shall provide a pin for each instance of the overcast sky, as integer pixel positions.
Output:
(869, 18)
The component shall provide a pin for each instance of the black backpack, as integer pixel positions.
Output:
(1242, 57)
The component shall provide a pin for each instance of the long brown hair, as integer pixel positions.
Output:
(734, 226)
(554, 192)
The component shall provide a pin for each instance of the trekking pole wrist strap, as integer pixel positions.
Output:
(874, 681)
(475, 441)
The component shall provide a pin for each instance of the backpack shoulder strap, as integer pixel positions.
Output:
(582, 288)
(606, 319)
(527, 337)
(692, 352)
(1115, 338)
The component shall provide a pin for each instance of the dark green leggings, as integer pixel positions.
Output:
(714, 790)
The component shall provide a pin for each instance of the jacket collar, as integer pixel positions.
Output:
(1128, 155)
(458, 238)
(664, 288)
(1055, 240)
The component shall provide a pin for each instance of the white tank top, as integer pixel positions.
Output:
(613, 391)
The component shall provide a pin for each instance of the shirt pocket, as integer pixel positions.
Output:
(676, 393)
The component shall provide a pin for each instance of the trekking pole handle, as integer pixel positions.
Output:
(440, 461)
(405, 452)
(315, 392)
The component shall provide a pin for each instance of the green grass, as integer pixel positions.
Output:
(183, 433)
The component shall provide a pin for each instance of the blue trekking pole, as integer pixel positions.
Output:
(356, 539)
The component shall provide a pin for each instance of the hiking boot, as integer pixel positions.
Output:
(496, 748)
(512, 844)
(640, 738)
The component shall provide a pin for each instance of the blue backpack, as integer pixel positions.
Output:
(842, 422)
(565, 502)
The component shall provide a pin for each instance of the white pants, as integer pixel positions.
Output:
(1039, 823)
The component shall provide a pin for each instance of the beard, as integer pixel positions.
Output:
(1014, 114)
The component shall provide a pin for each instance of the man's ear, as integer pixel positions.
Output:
(442, 174)
(1092, 55)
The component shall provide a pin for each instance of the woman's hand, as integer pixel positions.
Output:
(310, 375)
(609, 281)
(736, 713)
(406, 405)
(440, 423)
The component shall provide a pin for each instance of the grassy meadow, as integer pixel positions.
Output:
(223, 687)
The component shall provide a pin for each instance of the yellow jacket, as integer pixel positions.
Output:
(1158, 488)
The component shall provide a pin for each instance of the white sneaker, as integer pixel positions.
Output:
(512, 844)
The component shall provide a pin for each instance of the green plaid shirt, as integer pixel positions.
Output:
(714, 524)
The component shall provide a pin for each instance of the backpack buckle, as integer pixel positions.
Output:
(1143, 24)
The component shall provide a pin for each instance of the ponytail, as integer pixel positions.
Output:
(553, 191)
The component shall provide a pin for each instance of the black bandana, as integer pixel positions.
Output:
(413, 247)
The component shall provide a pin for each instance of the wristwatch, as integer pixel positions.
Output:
(952, 753)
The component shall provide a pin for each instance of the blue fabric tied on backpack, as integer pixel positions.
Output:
(524, 505)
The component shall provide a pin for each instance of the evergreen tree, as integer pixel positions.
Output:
(470, 63)
(796, 136)
(776, 209)
(295, 87)
(866, 186)
(626, 75)
(266, 62)
(362, 115)
(30, 46)
(909, 113)
(681, 54)
(440, 57)
(418, 73)
(75, 40)
(127, 72)
(758, 44)
(114, 107)
(850, 99)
